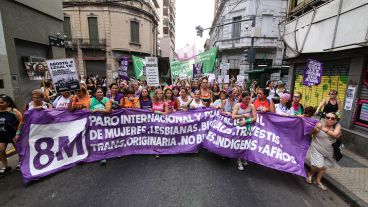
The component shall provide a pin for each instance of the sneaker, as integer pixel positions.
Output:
(4, 170)
(321, 186)
(103, 162)
(157, 156)
(18, 166)
(240, 165)
(245, 163)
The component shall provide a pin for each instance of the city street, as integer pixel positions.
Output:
(183, 180)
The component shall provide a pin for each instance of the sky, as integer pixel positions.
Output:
(189, 14)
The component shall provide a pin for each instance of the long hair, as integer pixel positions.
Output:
(155, 98)
(8, 100)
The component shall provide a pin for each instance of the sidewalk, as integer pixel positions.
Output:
(349, 179)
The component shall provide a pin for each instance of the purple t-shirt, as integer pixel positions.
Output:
(117, 98)
(146, 104)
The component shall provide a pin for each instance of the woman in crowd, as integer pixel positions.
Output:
(37, 101)
(114, 96)
(216, 92)
(205, 92)
(49, 92)
(253, 89)
(183, 101)
(218, 103)
(284, 107)
(143, 84)
(80, 101)
(176, 91)
(321, 150)
(262, 104)
(62, 101)
(91, 86)
(10, 119)
(197, 101)
(170, 101)
(281, 88)
(130, 100)
(331, 104)
(246, 111)
(297, 109)
(227, 106)
(137, 92)
(99, 103)
(271, 90)
(151, 90)
(194, 85)
(189, 89)
(158, 103)
(145, 100)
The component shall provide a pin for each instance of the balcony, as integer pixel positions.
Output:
(85, 43)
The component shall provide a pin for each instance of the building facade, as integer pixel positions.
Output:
(239, 31)
(24, 37)
(101, 33)
(167, 28)
(334, 33)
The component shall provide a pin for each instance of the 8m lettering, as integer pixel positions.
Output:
(46, 152)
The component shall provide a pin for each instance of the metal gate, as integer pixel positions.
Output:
(335, 75)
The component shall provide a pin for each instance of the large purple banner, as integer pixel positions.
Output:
(54, 140)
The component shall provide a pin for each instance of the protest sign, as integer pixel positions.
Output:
(181, 69)
(138, 67)
(152, 75)
(312, 73)
(37, 70)
(240, 80)
(64, 74)
(224, 66)
(208, 59)
(211, 78)
(197, 70)
(123, 68)
(95, 136)
(223, 79)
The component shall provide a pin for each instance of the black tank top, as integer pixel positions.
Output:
(8, 123)
(330, 107)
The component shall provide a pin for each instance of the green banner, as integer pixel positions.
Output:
(208, 59)
(138, 64)
(181, 69)
(185, 68)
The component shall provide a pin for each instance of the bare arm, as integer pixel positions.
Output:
(320, 106)
(335, 133)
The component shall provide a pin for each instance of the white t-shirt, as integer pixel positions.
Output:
(282, 110)
(61, 102)
(196, 105)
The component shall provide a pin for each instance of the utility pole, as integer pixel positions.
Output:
(252, 52)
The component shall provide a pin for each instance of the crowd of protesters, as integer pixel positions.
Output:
(239, 101)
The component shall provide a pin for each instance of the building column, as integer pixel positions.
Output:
(355, 74)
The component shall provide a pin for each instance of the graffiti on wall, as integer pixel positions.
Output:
(313, 95)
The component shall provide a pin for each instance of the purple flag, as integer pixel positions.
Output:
(312, 73)
(95, 136)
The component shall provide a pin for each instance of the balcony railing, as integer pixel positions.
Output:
(92, 43)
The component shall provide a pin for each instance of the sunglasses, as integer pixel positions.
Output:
(296, 96)
(331, 118)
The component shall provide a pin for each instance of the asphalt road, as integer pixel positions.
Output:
(202, 179)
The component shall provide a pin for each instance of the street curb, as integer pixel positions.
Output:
(343, 192)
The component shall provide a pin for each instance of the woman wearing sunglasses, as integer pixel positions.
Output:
(321, 150)
(331, 104)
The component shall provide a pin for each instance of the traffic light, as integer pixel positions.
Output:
(246, 55)
(199, 30)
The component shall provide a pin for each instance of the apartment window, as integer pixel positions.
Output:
(166, 12)
(234, 63)
(166, 30)
(67, 28)
(134, 31)
(166, 2)
(236, 28)
(93, 29)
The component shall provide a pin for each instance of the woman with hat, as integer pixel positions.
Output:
(284, 107)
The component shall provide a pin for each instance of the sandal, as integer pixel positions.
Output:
(4, 170)
(321, 186)
(308, 180)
